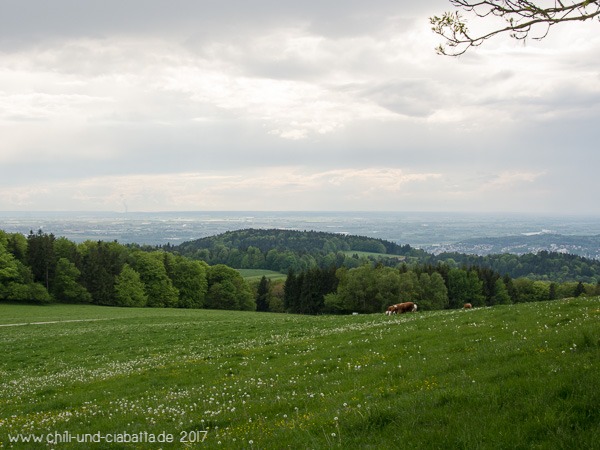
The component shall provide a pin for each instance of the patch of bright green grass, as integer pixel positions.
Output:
(257, 274)
(521, 376)
(373, 255)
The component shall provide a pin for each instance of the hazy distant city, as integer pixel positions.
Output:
(434, 232)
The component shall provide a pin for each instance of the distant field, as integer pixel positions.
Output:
(522, 376)
(257, 274)
(373, 255)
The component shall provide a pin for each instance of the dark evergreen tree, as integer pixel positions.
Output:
(488, 278)
(262, 295)
(40, 257)
(102, 262)
(310, 302)
(510, 288)
(307, 292)
(291, 291)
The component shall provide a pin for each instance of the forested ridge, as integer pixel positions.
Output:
(283, 250)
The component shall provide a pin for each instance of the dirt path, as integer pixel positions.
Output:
(46, 323)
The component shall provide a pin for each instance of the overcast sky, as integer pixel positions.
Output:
(287, 105)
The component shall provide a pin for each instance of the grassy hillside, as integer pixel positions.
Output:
(520, 376)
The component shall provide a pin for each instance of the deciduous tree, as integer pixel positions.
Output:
(501, 295)
(16, 281)
(433, 292)
(129, 289)
(227, 289)
(189, 277)
(158, 286)
(66, 284)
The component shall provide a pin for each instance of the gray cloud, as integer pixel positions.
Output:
(287, 105)
(416, 97)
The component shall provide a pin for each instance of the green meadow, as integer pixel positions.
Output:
(252, 275)
(509, 377)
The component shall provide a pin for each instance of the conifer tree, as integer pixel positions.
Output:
(40, 257)
(262, 295)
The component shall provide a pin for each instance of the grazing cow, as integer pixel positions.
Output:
(401, 308)
(406, 307)
(467, 306)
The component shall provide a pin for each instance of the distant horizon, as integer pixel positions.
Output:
(417, 228)
(304, 211)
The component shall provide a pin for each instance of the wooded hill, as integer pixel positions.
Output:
(284, 250)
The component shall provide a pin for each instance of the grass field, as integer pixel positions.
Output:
(373, 255)
(511, 377)
(257, 274)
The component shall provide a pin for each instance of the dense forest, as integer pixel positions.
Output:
(326, 273)
(41, 268)
(284, 250)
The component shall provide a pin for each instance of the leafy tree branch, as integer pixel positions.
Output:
(523, 19)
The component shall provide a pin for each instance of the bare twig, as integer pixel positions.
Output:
(520, 16)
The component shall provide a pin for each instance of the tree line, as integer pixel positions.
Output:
(41, 268)
(370, 288)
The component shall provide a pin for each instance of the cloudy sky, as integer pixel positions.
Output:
(154, 105)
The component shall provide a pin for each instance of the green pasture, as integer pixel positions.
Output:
(251, 275)
(510, 377)
(373, 255)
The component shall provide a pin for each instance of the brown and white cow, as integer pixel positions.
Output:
(406, 307)
(401, 308)
(467, 306)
